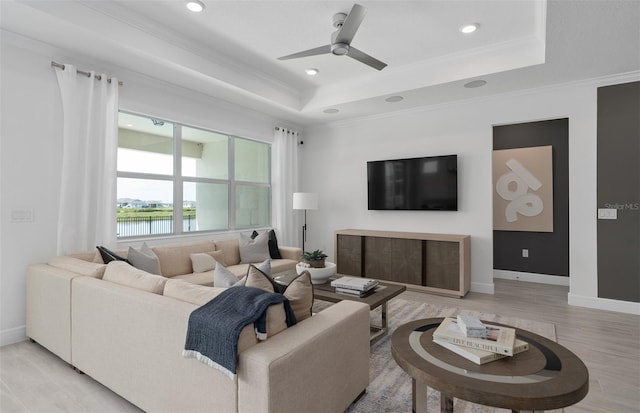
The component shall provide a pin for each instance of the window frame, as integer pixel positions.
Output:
(179, 180)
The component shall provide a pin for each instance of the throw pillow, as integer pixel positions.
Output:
(202, 262)
(144, 259)
(206, 261)
(108, 256)
(254, 250)
(300, 295)
(274, 250)
(258, 279)
(218, 255)
(224, 278)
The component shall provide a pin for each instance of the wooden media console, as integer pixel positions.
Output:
(436, 263)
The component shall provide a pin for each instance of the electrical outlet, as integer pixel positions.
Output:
(525, 253)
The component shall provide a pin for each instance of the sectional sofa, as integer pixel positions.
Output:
(126, 328)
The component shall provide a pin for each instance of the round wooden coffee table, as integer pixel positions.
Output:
(547, 376)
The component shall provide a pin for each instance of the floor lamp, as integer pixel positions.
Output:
(305, 201)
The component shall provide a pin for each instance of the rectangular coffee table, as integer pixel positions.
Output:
(379, 298)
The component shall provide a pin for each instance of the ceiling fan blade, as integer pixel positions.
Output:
(365, 58)
(311, 52)
(351, 24)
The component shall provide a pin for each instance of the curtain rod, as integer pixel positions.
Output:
(82, 72)
(286, 130)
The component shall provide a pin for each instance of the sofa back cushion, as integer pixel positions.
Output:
(176, 259)
(231, 248)
(79, 266)
(190, 293)
(120, 272)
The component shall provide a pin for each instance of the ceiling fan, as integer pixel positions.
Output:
(347, 25)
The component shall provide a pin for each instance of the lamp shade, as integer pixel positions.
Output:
(305, 200)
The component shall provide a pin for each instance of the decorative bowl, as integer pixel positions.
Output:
(318, 275)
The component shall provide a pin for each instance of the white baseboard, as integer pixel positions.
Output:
(13, 335)
(531, 277)
(484, 288)
(607, 304)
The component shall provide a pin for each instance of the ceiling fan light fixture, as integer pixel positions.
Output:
(195, 6)
(469, 28)
(340, 49)
(312, 71)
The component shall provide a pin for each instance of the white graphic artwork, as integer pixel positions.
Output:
(523, 189)
(520, 200)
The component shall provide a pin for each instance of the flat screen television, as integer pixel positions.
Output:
(416, 184)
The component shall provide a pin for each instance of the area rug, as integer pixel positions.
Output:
(390, 387)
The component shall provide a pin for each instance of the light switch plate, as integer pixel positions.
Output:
(607, 213)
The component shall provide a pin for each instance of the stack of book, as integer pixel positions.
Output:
(463, 336)
(356, 286)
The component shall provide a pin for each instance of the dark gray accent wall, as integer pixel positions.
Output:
(548, 251)
(619, 188)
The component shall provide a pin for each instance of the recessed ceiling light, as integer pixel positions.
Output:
(195, 6)
(475, 83)
(393, 99)
(312, 71)
(331, 111)
(469, 28)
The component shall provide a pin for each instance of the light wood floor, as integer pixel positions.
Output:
(34, 380)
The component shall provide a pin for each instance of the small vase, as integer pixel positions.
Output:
(316, 263)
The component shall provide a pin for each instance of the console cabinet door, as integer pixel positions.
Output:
(442, 265)
(406, 261)
(377, 258)
(393, 259)
(349, 251)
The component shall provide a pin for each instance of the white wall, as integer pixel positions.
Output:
(30, 152)
(334, 160)
(333, 164)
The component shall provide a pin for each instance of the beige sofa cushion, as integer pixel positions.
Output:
(120, 272)
(231, 249)
(206, 261)
(176, 259)
(90, 269)
(200, 278)
(190, 293)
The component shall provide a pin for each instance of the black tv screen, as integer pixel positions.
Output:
(429, 183)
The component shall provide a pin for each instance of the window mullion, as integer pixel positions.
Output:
(177, 180)
(232, 183)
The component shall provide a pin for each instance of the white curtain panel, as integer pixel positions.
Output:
(284, 182)
(90, 142)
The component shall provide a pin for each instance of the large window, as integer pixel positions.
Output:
(175, 179)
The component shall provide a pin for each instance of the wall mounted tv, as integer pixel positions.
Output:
(417, 184)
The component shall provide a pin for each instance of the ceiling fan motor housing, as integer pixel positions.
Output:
(340, 49)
